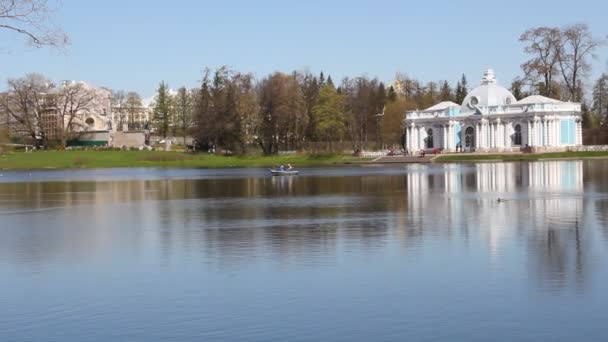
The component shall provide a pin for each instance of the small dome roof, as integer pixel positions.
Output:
(537, 99)
(489, 93)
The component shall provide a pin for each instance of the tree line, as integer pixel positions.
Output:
(233, 111)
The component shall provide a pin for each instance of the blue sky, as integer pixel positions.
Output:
(134, 44)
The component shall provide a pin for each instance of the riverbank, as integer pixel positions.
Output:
(110, 159)
(454, 158)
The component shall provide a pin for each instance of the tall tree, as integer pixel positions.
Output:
(445, 94)
(32, 19)
(392, 120)
(392, 94)
(25, 104)
(543, 44)
(576, 46)
(184, 110)
(329, 114)
(362, 104)
(72, 101)
(517, 89)
(461, 89)
(600, 97)
(203, 120)
(225, 110)
(590, 118)
(281, 104)
(162, 109)
(133, 106)
(309, 85)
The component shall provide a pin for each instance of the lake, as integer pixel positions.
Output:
(362, 253)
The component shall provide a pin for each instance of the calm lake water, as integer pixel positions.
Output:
(366, 253)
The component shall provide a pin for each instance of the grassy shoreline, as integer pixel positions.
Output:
(455, 158)
(117, 159)
(43, 160)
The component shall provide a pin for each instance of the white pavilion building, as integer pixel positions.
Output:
(491, 119)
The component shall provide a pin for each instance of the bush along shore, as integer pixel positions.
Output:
(115, 159)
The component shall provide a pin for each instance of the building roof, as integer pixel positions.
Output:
(489, 93)
(442, 106)
(537, 99)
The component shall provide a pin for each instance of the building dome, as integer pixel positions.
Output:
(489, 93)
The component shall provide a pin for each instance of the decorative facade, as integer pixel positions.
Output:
(491, 119)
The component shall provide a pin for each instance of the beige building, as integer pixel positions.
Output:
(126, 118)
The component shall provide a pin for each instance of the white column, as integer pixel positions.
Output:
(498, 136)
(550, 132)
(529, 134)
(579, 132)
(545, 132)
(445, 137)
(554, 132)
(558, 131)
(556, 128)
(477, 134)
(486, 134)
(450, 129)
(482, 135)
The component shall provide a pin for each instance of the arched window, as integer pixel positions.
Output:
(517, 135)
(429, 138)
(469, 137)
(90, 122)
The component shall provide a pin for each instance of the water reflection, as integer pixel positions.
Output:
(544, 206)
(357, 253)
(551, 222)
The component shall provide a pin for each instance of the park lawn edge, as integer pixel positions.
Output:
(64, 160)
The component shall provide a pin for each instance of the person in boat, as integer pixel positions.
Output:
(282, 168)
(289, 167)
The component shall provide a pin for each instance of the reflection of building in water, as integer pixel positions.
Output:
(541, 201)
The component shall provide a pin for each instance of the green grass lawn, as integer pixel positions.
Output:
(515, 157)
(108, 159)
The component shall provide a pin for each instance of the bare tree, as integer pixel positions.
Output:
(183, 103)
(32, 19)
(282, 112)
(25, 104)
(72, 102)
(134, 106)
(544, 45)
(576, 46)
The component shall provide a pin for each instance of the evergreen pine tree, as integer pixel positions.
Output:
(162, 109)
(461, 89)
(446, 92)
(392, 94)
(600, 97)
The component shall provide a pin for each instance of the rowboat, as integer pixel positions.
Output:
(284, 172)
